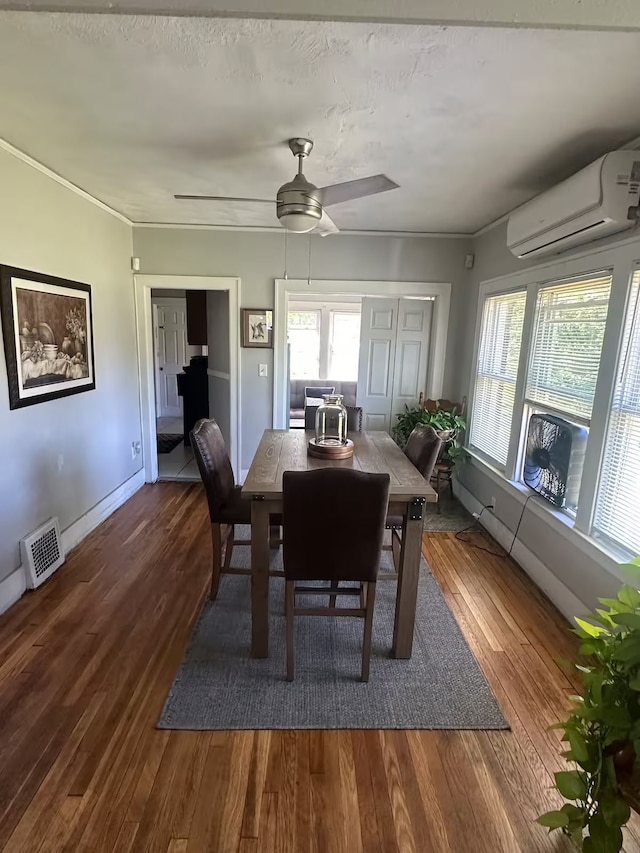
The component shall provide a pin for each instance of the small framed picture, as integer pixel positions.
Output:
(257, 327)
(48, 336)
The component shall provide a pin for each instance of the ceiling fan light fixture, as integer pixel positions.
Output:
(299, 223)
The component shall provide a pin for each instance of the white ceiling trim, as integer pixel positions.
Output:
(45, 170)
(617, 15)
(278, 229)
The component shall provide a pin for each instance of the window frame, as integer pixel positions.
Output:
(481, 305)
(621, 259)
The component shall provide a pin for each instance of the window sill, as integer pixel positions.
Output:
(560, 521)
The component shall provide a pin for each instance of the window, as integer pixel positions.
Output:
(617, 514)
(324, 341)
(497, 371)
(304, 340)
(567, 341)
(344, 346)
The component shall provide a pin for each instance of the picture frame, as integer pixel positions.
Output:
(47, 328)
(257, 327)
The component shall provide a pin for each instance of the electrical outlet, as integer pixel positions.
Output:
(493, 503)
(262, 370)
(135, 449)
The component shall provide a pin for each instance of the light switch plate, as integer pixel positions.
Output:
(262, 370)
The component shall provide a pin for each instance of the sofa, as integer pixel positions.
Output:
(348, 390)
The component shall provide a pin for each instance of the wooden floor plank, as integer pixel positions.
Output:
(86, 662)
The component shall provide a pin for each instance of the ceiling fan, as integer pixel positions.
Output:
(300, 204)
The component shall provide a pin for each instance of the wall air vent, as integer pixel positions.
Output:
(42, 553)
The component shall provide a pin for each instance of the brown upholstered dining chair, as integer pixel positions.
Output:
(226, 505)
(422, 450)
(346, 508)
(354, 418)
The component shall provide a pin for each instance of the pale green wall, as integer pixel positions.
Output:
(258, 259)
(62, 457)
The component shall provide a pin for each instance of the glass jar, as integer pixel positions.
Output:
(331, 422)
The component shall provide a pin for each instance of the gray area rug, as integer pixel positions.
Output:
(218, 685)
(452, 516)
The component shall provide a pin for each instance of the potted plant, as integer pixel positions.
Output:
(447, 423)
(603, 728)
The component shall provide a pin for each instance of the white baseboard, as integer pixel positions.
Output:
(14, 586)
(77, 531)
(565, 600)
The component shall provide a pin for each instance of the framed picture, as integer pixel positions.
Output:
(257, 327)
(48, 336)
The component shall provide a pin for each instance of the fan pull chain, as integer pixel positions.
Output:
(309, 270)
(286, 233)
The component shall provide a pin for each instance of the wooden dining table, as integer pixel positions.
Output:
(374, 452)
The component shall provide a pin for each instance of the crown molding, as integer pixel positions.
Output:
(35, 164)
(278, 229)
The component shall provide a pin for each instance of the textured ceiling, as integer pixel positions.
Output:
(471, 122)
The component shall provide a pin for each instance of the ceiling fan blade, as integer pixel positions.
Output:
(223, 198)
(350, 190)
(326, 225)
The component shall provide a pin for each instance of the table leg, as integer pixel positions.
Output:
(405, 618)
(259, 579)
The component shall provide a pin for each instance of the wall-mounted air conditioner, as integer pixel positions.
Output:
(591, 204)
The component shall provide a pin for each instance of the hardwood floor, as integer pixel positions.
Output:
(86, 662)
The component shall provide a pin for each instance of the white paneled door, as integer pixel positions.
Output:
(413, 340)
(394, 350)
(172, 354)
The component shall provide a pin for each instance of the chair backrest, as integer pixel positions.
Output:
(423, 449)
(213, 463)
(354, 418)
(333, 523)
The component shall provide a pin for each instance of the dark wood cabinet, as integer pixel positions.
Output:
(197, 318)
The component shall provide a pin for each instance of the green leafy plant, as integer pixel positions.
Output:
(442, 420)
(603, 728)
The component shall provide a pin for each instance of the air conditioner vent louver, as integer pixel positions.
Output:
(42, 553)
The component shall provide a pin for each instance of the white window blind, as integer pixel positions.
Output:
(617, 514)
(567, 342)
(497, 371)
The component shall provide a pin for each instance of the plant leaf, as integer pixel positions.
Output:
(571, 784)
(606, 839)
(628, 595)
(589, 629)
(629, 620)
(578, 746)
(614, 810)
(553, 820)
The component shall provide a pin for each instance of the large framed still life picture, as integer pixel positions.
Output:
(48, 336)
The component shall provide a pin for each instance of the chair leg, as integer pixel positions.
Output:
(216, 566)
(332, 598)
(289, 605)
(368, 624)
(228, 551)
(363, 595)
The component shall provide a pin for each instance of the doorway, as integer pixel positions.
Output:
(216, 364)
(402, 343)
(181, 383)
(323, 333)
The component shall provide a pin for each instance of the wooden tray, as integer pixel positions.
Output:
(321, 451)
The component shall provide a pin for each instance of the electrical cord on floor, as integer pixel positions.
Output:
(473, 528)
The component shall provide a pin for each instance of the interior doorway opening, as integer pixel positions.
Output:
(189, 366)
(323, 333)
